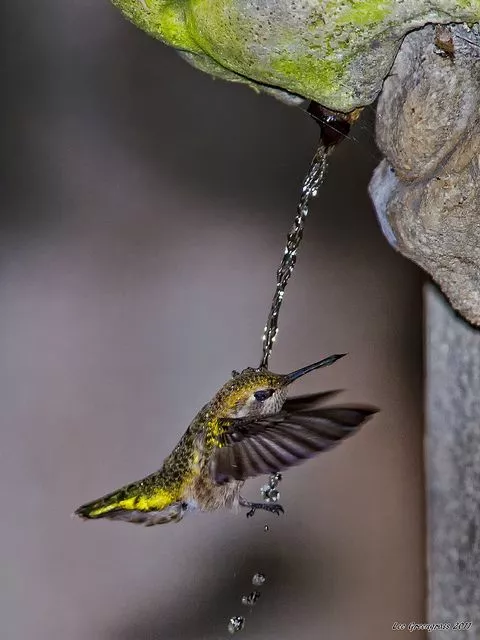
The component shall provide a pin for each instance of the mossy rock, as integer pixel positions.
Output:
(336, 52)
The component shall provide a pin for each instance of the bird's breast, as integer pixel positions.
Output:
(205, 495)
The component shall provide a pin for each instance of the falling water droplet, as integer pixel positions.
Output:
(269, 493)
(273, 495)
(251, 599)
(266, 528)
(235, 624)
(274, 480)
(258, 579)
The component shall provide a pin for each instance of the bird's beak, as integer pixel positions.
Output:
(326, 362)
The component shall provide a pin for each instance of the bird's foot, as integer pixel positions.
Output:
(265, 506)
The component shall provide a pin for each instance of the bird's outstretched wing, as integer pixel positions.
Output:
(257, 447)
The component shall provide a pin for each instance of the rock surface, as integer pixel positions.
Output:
(336, 52)
(452, 469)
(427, 190)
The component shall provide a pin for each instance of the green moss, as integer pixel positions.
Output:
(471, 6)
(324, 69)
(233, 40)
(468, 4)
(218, 24)
(162, 19)
(332, 51)
(364, 13)
(307, 73)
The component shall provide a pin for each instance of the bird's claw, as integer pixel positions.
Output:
(276, 508)
(272, 508)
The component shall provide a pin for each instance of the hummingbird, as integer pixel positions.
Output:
(249, 428)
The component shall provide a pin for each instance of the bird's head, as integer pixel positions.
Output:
(259, 392)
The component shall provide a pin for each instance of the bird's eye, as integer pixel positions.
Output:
(260, 396)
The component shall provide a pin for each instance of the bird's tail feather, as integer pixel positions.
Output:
(137, 502)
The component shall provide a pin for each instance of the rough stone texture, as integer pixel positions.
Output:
(427, 190)
(336, 52)
(453, 468)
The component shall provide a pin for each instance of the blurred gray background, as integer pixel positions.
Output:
(144, 208)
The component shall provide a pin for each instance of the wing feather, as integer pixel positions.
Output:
(274, 443)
